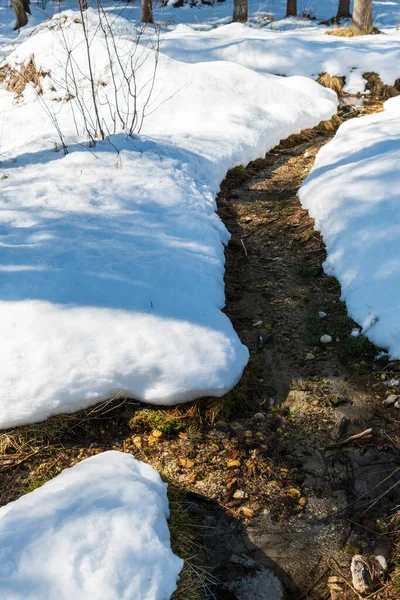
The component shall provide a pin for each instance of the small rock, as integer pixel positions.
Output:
(394, 382)
(355, 332)
(322, 314)
(221, 424)
(325, 339)
(382, 561)
(187, 463)
(246, 511)
(390, 400)
(306, 154)
(239, 494)
(152, 440)
(260, 416)
(259, 583)
(257, 324)
(137, 440)
(360, 575)
(293, 493)
(310, 356)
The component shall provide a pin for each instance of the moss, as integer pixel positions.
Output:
(331, 284)
(360, 347)
(240, 173)
(34, 485)
(150, 419)
(314, 329)
(309, 272)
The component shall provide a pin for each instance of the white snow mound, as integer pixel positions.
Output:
(308, 52)
(111, 270)
(97, 531)
(353, 194)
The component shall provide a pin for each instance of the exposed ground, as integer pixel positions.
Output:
(264, 472)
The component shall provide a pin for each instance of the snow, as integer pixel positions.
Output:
(97, 531)
(308, 52)
(112, 264)
(353, 194)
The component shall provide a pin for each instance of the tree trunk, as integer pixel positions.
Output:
(147, 11)
(291, 8)
(344, 9)
(240, 11)
(21, 8)
(362, 16)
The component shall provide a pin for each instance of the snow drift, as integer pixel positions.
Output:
(306, 52)
(112, 263)
(353, 194)
(97, 531)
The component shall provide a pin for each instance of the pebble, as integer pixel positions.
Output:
(239, 494)
(307, 154)
(325, 339)
(360, 574)
(260, 416)
(382, 561)
(393, 382)
(310, 356)
(390, 400)
(322, 314)
(187, 463)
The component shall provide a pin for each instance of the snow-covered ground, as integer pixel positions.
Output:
(308, 52)
(97, 531)
(353, 194)
(112, 264)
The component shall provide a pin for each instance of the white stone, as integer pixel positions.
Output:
(326, 339)
(322, 314)
(360, 574)
(390, 400)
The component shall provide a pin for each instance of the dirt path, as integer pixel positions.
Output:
(261, 471)
(276, 291)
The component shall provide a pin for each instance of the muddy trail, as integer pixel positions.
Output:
(267, 475)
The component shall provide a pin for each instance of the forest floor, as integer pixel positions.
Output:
(266, 472)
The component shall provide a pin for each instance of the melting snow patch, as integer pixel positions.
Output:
(97, 531)
(353, 194)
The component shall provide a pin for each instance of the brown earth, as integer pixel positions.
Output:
(263, 472)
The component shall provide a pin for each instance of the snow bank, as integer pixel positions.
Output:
(97, 531)
(111, 271)
(306, 52)
(353, 195)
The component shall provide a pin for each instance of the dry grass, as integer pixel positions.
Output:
(307, 135)
(194, 581)
(351, 32)
(332, 82)
(15, 80)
